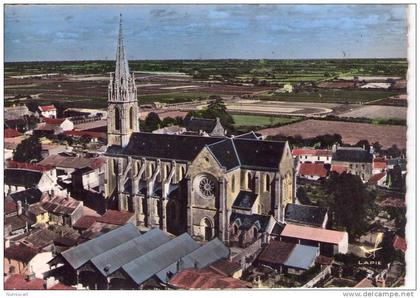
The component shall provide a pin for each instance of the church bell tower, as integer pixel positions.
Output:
(122, 99)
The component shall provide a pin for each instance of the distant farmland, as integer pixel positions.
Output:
(386, 135)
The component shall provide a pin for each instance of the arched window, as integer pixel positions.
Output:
(235, 229)
(249, 180)
(136, 168)
(117, 119)
(166, 172)
(131, 116)
(151, 169)
(267, 182)
(255, 233)
(115, 166)
(233, 183)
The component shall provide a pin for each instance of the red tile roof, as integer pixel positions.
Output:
(80, 133)
(310, 151)
(379, 163)
(312, 169)
(30, 166)
(400, 243)
(19, 282)
(276, 252)
(9, 206)
(20, 253)
(11, 133)
(339, 169)
(303, 152)
(115, 217)
(323, 260)
(393, 202)
(206, 279)
(61, 286)
(375, 178)
(85, 222)
(313, 234)
(54, 121)
(225, 267)
(365, 283)
(48, 108)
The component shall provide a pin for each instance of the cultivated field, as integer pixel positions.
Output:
(386, 135)
(376, 112)
(254, 120)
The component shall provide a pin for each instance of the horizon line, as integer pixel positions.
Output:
(212, 59)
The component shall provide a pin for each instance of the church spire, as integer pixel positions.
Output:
(122, 73)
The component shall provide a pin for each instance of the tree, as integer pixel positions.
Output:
(351, 204)
(152, 122)
(168, 121)
(302, 196)
(29, 150)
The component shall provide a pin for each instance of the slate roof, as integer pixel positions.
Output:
(352, 154)
(247, 221)
(276, 252)
(245, 200)
(205, 255)
(28, 196)
(200, 124)
(79, 255)
(225, 154)
(305, 214)
(230, 153)
(259, 154)
(164, 146)
(124, 253)
(302, 256)
(22, 177)
(155, 261)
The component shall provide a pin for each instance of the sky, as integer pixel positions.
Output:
(89, 32)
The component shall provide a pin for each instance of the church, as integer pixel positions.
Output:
(202, 185)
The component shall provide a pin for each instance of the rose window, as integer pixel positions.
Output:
(207, 187)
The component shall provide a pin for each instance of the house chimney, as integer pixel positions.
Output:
(30, 275)
(334, 148)
(371, 150)
(50, 282)
(19, 207)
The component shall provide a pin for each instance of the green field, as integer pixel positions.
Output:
(262, 121)
(232, 70)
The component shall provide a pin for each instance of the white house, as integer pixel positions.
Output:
(49, 111)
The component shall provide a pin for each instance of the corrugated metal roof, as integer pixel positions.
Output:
(144, 267)
(122, 254)
(302, 256)
(79, 255)
(206, 254)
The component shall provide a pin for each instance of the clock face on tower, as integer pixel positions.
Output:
(205, 186)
